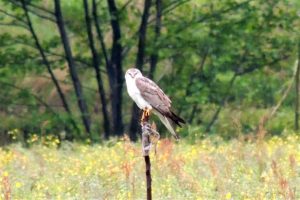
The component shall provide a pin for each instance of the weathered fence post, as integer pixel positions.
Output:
(146, 145)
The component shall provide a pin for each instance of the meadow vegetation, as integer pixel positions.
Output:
(212, 168)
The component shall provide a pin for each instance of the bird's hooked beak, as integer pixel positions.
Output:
(133, 74)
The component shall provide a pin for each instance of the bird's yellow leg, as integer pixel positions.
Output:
(146, 114)
(143, 116)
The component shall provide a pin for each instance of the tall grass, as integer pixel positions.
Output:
(208, 169)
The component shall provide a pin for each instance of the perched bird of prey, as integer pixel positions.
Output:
(149, 97)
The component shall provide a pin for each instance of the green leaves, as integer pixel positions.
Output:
(201, 46)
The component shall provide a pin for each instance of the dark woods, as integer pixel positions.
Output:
(62, 62)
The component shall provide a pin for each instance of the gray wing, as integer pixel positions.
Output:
(157, 99)
(154, 95)
(160, 102)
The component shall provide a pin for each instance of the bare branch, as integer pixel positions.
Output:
(82, 63)
(41, 8)
(34, 95)
(76, 59)
(172, 6)
(224, 100)
(25, 105)
(67, 82)
(269, 114)
(42, 16)
(28, 3)
(236, 74)
(36, 12)
(12, 16)
(13, 24)
(125, 5)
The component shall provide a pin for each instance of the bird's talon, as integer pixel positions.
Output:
(147, 112)
(145, 115)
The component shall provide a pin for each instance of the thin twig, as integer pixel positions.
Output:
(266, 117)
(224, 100)
(125, 6)
(14, 24)
(33, 5)
(36, 12)
(12, 16)
(39, 99)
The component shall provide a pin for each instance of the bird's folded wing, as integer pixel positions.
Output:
(154, 95)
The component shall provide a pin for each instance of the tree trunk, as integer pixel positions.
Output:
(154, 55)
(47, 64)
(192, 115)
(99, 34)
(114, 71)
(73, 72)
(133, 129)
(297, 77)
(142, 36)
(96, 63)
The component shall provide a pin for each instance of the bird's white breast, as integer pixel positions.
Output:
(135, 94)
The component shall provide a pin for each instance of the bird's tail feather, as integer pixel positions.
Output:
(168, 124)
(176, 119)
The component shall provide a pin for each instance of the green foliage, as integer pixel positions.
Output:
(203, 45)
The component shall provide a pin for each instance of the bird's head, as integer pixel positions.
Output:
(133, 73)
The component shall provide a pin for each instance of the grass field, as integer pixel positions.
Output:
(208, 169)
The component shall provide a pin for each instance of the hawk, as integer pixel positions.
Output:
(149, 97)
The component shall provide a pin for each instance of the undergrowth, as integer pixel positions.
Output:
(207, 169)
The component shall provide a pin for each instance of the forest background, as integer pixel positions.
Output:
(225, 64)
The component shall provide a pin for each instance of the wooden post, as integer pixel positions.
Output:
(146, 145)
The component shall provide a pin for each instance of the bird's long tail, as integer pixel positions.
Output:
(176, 119)
(168, 122)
